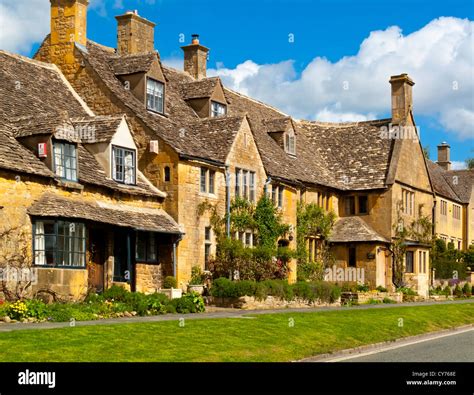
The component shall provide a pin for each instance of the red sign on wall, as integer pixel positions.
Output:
(42, 150)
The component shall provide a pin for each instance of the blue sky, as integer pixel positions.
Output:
(332, 43)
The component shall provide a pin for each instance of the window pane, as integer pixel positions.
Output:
(151, 248)
(252, 186)
(140, 247)
(245, 183)
(350, 205)
(155, 95)
(211, 180)
(203, 179)
(363, 208)
(409, 261)
(237, 182)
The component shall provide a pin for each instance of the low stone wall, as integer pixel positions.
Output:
(250, 303)
(364, 297)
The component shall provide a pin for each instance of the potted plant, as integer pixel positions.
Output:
(170, 288)
(196, 284)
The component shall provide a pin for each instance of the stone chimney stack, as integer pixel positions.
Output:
(195, 58)
(402, 100)
(444, 156)
(135, 34)
(68, 26)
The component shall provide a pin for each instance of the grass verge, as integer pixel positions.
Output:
(269, 338)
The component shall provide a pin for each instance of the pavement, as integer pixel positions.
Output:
(217, 313)
(451, 345)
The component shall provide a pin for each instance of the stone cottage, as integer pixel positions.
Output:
(73, 204)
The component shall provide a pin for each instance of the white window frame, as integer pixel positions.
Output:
(155, 95)
(124, 176)
(218, 109)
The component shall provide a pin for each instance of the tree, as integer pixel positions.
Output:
(265, 260)
(426, 151)
(470, 163)
(16, 273)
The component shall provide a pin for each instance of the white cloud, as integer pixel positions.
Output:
(175, 62)
(438, 57)
(23, 23)
(457, 165)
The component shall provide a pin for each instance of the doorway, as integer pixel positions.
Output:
(95, 268)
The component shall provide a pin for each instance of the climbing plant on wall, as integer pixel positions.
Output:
(313, 221)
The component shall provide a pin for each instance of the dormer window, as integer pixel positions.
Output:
(65, 160)
(155, 95)
(218, 109)
(290, 146)
(123, 165)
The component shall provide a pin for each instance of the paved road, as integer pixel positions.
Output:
(224, 313)
(457, 347)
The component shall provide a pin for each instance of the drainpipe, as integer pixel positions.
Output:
(227, 190)
(265, 187)
(175, 245)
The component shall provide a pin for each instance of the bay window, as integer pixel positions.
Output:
(59, 243)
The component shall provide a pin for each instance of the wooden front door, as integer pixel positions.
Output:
(95, 268)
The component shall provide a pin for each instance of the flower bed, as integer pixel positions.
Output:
(114, 302)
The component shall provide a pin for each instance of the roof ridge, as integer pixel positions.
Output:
(34, 62)
(255, 101)
(345, 124)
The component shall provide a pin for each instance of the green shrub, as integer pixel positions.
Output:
(245, 288)
(362, 288)
(388, 300)
(36, 309)
(457, 291)
(381, 289)
(373, 301)
(349, 287)
(196, 276)
(447, 290)
(137, 301)
(170, 282)
(157, 303)
(223, 288)
(116, 292)
(466, 290)
(303, 290)
(189, 303)
(408, 294)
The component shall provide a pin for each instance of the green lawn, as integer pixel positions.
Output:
(260, 338)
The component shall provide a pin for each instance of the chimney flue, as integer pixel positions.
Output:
(444, 156)
(134, 34)
(195, 58)
(402, 99)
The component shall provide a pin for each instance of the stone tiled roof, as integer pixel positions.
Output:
(462, 182)
(199, 89)
(277, 124)
(305, 167)
(354, 229)
(131, 64)
(216, 135)
(355, 153)
(36, 99)
(32, 87)
(97, 129)
(90, 172)
(155, 220)
(15, 157)
(442, 185)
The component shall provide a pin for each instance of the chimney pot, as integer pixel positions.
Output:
(195, 58)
